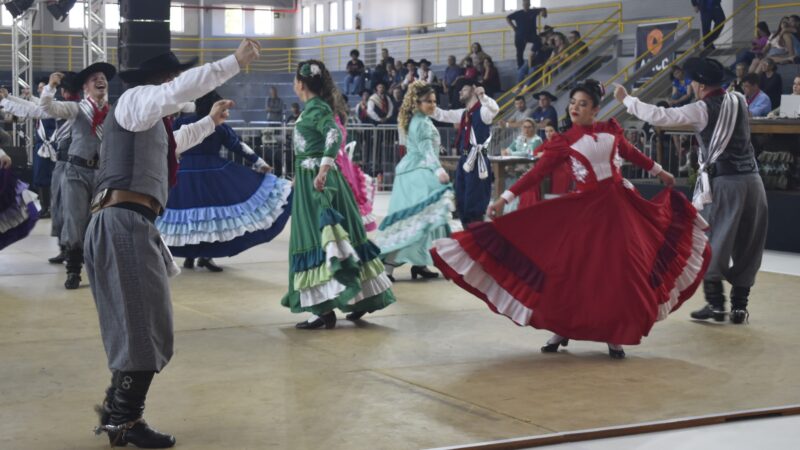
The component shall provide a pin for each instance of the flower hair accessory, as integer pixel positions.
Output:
(310, 70)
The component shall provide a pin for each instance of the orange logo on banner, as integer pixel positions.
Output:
(655, 39)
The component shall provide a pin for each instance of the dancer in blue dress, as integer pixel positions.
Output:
(220, 208)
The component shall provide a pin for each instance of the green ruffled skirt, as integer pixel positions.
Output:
(332, 264)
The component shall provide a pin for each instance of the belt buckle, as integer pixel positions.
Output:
(91, 163)
(99, 199)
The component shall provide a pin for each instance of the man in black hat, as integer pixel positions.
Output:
(54, 146)
(545, 111)
(86, 129)
(474, 173)
(737, 208)
(412, 74)
(379, 106)
(126, 259)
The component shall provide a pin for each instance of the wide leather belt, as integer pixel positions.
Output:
(78, 161)
(112, 197)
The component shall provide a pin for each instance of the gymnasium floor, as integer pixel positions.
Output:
(436, 369)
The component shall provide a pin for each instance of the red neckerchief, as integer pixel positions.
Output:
(465, 127)
(715, 93)
(99, 115)
(172, 158)
(362, 112)
(384, 106)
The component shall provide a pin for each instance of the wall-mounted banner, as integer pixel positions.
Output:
(650, 40)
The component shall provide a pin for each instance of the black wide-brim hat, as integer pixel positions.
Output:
(108, 70)
(705, 71)
(424, 61)
(410, 61)
(546, 94)
(163, 63)
(471, 82)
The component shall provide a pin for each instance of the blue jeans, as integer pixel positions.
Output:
(523, 73)
(353, 84)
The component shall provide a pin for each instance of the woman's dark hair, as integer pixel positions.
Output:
(593, 88)
(477, 44)
(355, 52)
(672, 71)
(204, 104)
(318, 81)
(764, 28)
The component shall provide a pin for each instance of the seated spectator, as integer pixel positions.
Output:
(476, 54)
(385, 58)
(394, 78)
(274, 106)
(397, 101)
(795, 91)
(526, 143)
(378, 75)
(411, 73)
(490, 78)
(577, 45)
(424, 72)
(682, 92)
(549, 130)
(559, 53)
(380, 107)
(470, 74)
(362, 108)
(521, 112)
(536, 60)
(780, 47)
(401, 69)
(451, 74)
(545, 110)
(295, 113)
(354, 81)
(736, 84)
(756, 45)
(771, 82)
(757, 101)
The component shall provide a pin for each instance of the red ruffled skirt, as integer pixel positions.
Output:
(600, 265)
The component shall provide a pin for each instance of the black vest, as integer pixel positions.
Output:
(739, 155)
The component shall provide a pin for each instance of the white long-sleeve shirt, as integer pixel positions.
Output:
(23, 108)
(142, 107)
(489, 110)
(694, 115)
(59, 110)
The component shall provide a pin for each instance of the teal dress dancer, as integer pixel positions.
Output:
(421, 206)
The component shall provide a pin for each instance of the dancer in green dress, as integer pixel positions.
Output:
(332, 264)
(422, 196)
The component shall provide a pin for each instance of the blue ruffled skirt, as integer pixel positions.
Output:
(220, 208)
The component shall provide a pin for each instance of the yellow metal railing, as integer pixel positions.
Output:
(542, 75)
(690, 51)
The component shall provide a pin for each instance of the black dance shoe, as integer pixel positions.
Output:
(44, 214)
(616, 354)
(354, 316)
(422, 271)
(328, 320)
(188, 263)
(709, 312)
(208, 263)
(73, 281)
(739, 316)
(553, 348)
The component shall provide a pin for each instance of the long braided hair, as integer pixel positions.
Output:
(319, 81)
(417, 91)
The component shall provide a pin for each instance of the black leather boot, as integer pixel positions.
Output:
(74, 266)
(715, 296)
(126, 425)
(60, 258)
(739, 298)
(188, 263)
(103, 410)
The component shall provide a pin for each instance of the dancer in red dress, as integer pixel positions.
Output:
(602, 264)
